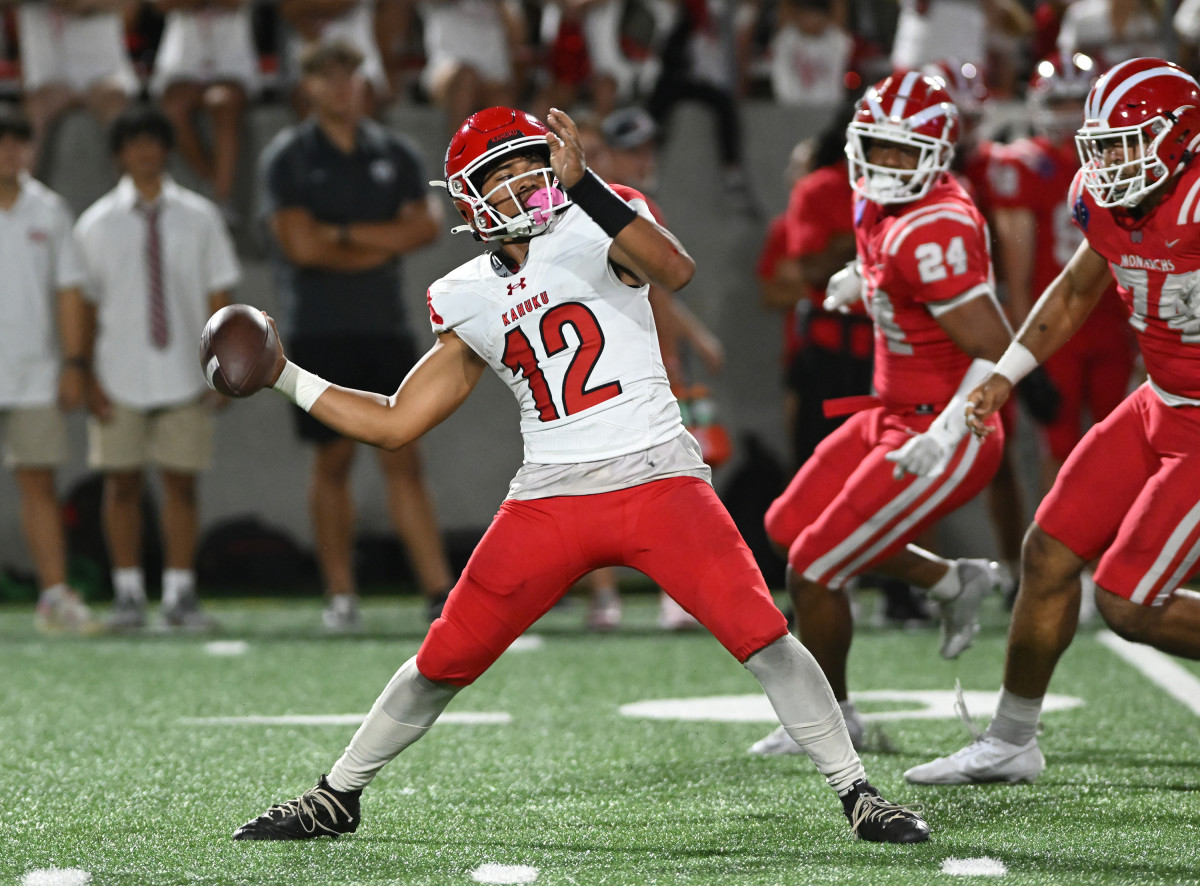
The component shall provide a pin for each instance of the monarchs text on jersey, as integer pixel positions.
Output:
(577, 347)
(1154, 263)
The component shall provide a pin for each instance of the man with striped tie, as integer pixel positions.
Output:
(159, 262)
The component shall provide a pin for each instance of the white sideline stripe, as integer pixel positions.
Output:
(463, 718)
(504, 873)
(1174, 679)
(57, 877)
(226, 647)
(974, 867)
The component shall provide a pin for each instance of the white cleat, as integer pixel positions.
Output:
(673, 617)
(779, 742)
(775, 744)
(987, 759)
(960, 616)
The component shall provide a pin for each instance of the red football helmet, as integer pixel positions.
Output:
(485, 139)
(1057, 91)
(907, 109)
(964, 82)
(1141, 125)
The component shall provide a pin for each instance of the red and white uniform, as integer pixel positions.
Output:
(843, 512)
(610, 476)
(1142, 462)
(1092, 370)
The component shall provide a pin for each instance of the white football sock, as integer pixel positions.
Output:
(805, 705)
(129, 584)
(1016, 718)
(404, 711)
(949, 586)
(178, 584)
(53, 592)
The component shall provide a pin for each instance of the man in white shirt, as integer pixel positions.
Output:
(41, 272)
(159, 263)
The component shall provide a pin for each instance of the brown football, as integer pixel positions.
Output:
(238, 351)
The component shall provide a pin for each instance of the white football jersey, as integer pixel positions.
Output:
(576, 346)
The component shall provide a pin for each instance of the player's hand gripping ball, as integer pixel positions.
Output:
(238, 351)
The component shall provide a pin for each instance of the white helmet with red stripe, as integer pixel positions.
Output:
(1141, 125)
(907, 109)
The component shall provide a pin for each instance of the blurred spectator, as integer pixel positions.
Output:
(474, 52)
(601, 50)
(73, 53)
(1047, 20)
(810, 54)
(322, 21)
(1187, 29)
(159, 263)
(207, 60)
(698, 63)
(42, 272)
(1115, 30)
(345, 199)
(927, 29)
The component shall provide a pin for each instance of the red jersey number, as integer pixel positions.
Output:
(521, 359)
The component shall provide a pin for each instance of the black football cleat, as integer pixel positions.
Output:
(318, 812)
(874, 819)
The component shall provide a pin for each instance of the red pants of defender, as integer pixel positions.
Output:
(844, 513)
(675, 531)
(1130, 494)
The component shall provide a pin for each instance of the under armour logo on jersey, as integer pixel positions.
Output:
(1135, 236)
(513, 287)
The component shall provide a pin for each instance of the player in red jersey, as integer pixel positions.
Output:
(557, 308)
(1129, 493)
(1028, 183)
(907, 460)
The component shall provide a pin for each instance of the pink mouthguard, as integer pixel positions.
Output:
(541, 204)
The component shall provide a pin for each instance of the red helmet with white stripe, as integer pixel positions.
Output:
(1057, 91)
(1141, 125)
(909, 110)
(964, 82)
(484, 140)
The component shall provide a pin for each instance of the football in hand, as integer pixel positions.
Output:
(238, 351)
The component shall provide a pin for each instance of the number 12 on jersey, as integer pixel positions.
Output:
(521, 359)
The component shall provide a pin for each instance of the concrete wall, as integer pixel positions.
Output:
(261, 468)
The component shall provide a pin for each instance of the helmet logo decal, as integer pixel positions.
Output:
(503, 137)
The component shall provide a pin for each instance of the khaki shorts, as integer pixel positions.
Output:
(34, 437)
(177, 438)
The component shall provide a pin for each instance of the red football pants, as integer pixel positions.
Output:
(676, 531)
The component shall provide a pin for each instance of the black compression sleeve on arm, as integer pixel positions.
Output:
(599, 201)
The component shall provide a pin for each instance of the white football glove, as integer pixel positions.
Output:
(844, 289)
(928, 454)
(925, 455)
(1187, 321)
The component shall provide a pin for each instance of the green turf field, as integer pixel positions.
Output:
(106, 771)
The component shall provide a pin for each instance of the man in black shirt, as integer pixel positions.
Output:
(344, 199)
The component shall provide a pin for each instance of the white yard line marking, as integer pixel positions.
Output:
(463, 718)
(226, 647)
(974, 867)
(935, 704)
(57, 877)
(504, 873)
(1170, 676)
(526, 643)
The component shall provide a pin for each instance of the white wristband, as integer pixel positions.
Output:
(300, 386)
(1016, 363)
